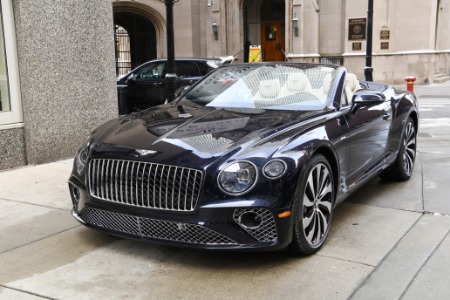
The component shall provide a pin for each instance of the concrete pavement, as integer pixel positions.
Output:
(388, 241)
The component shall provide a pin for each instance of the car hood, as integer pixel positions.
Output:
(183, 134)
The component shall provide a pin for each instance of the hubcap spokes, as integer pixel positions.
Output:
(317, 204)
(409, 153)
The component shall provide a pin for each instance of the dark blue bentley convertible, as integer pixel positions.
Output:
(253, 156)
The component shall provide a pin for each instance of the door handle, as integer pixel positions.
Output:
(386, 116)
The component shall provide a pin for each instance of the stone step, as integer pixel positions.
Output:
(440, 78)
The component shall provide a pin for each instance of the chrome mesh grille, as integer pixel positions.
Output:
(155, 229)
(267, 231)
(145, 184)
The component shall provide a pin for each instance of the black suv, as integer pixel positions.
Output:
(146, 85)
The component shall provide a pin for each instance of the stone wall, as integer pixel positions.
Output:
(67, 73)
(12, 153)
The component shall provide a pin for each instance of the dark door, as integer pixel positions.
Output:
(369, 131)
(273, 41)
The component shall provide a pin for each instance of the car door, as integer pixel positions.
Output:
(369, 125)
(187, 72)
(146, 86)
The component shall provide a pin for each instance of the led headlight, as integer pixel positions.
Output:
(82, 155)
(274, 169)
(238, 177)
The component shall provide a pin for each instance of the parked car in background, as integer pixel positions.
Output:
(253, 156)
(146, 85)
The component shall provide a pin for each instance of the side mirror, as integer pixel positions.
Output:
(367, 97)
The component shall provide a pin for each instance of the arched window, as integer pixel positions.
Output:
(135, 37)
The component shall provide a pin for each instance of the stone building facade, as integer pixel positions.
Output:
(57, 77)
(59, 60)
(410, 37)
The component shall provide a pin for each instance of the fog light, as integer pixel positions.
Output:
(250, 220)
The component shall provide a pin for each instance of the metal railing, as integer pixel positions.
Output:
(333, 60)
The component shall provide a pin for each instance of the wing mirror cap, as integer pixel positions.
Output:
(368, 96)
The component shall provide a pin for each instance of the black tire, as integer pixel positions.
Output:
(313, 206)
(403, 166)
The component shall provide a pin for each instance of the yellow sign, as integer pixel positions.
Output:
(254, 53)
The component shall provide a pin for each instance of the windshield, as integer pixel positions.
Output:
(280, 87)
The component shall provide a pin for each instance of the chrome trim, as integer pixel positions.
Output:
(143, 184)
(77, 217)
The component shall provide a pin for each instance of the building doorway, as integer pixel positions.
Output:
(135, 39)
(264, 24)
(273, 41)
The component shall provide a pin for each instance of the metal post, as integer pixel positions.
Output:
(171, 75)
(368, 70)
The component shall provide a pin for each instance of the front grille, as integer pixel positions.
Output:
(145, 184)
(155, 229)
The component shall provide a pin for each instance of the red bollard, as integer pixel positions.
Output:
(410, 83)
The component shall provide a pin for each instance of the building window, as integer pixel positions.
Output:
(4, 86)
(10, 106)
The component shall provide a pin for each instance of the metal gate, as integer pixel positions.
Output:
(123, 53)
(135, 38)
(333, 60)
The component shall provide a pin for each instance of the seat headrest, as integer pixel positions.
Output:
(269, 88)
(326, 84)
(297, 82)
(352, 82)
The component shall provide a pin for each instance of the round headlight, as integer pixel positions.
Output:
(82, 159)
(274, 169)
(238, 177)
(82, 155)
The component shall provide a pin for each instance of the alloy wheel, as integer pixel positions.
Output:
(409, 153)
(317, 204)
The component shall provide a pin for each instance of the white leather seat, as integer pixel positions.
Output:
(324, 89)
(296, 82)
(351, 86)
(268, 90)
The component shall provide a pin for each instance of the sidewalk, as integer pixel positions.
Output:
(388, 241)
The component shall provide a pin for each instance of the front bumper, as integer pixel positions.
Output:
(220, 228)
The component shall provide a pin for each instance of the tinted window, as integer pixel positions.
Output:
(149, 71)
(204, 68)
(186, 69)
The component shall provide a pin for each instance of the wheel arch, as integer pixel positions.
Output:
(330, 155)
(415, 118)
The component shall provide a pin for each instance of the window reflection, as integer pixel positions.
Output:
(4, 86)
